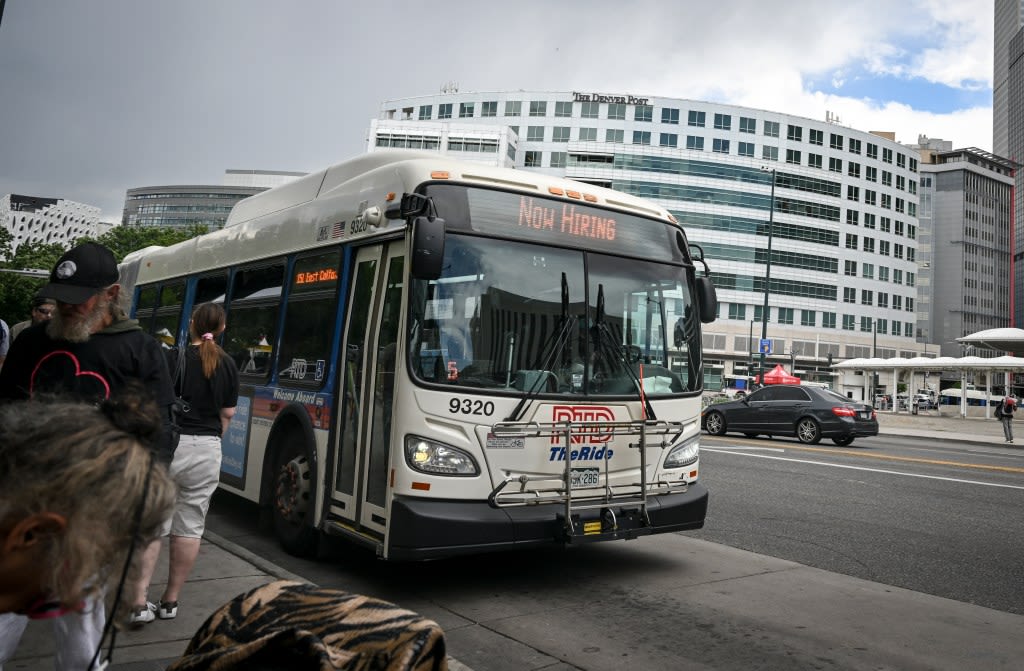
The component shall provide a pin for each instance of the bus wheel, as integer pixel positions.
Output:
(292, 503)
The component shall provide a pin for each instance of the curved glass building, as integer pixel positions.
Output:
(836, 206)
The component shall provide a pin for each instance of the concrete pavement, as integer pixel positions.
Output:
(225, 569)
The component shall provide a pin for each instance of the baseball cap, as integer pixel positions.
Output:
(80, 273)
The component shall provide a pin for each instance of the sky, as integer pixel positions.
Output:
(100, 96)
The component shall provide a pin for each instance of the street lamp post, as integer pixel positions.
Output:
(767, 270)
(750, 356)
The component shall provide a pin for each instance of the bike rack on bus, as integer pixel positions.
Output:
(603, 497)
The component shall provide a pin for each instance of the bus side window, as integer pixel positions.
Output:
(252, 318)
(309, 319)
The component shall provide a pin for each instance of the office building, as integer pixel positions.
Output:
(183, 206)
(842, 205)
(49, 220)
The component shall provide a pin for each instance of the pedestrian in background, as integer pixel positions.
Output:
(42, 310)
(1004, 411)
(207, 380)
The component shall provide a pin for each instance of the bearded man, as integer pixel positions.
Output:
(88, 350)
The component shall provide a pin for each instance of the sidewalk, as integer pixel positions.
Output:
(946, 424)
(223, 571)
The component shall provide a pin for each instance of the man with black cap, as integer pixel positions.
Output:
(88, 349)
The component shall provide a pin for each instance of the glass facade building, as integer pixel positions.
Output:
(844, 211)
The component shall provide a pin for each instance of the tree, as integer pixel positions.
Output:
(123, 240)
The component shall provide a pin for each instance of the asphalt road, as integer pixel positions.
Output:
(836, 535)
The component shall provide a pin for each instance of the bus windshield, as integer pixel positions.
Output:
(525, 317)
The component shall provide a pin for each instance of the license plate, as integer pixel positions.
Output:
(580, 478)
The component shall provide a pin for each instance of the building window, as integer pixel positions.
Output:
(815, 136)
(793, 156)
(641, 137)
(871, 174)
(794, 133)
(513, 108)
(900, 205)
(901, 183)
(850, 268)
(853, 169)
(835, 141)
(867, 297)
(886, 201)
(828, 320)
(785, 315)
(883, 273)
(559, 159)
(643, 113)
(695, 142)
(808, 317)
(748, 124)
(852, 192)
(588, 135)
(854, 146)
(670, 115)
(589, 110)
(886, 178)
(849, 323)
(867, 270)
(720, 146)
(560, 134)
(886, 155)
(617, 111)
(901, 161)
(669, 140)
(444, 111)
(426, 111)
(897, 302)
(866, 323)
(737, 311)
(538, 108)
(869, 220)
(813, 160)
(489, 108)
(466, 110)
(723, 121)
(849, 295)
(870, 197)
(746, 149)
(614, 135)
(883, 299)
(563, 108)
(851, 241)
(769, 153)
(696, 118)
(852, 217)
(535, 133)
(883, 247)
(872, 151)
(897, 251)
(835, 164)
(771, 128)
(758, 311)
(532, 159)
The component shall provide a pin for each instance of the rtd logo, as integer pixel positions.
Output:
(583, 413)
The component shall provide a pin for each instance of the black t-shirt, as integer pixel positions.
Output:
(205, 396)
(90, 370)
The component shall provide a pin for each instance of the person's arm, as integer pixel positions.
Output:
(225, 418)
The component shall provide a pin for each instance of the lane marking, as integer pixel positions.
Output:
(725, 450)
(888, 457)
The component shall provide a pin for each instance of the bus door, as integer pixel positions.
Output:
(367, 379)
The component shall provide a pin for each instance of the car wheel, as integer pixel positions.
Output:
(715, 423)
(750, 435)
(808, 431)
(842, 441)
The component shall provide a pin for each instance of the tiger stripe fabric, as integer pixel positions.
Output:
(299, 626)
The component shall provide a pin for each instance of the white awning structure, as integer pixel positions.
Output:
(1005, 340)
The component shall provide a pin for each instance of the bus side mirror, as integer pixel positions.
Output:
(707, 299)
(427, 247)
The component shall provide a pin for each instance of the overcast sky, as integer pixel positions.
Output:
(99, 96)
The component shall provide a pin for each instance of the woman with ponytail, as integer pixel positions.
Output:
(208, 383)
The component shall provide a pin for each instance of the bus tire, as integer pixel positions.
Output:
(291, 502)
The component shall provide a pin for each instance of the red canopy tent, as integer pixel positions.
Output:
(777, 375)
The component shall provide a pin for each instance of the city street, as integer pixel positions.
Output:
(896, 553)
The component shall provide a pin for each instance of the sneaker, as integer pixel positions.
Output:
(142, 614)
(167, 610)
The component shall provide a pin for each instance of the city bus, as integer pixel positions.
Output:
(439, 358)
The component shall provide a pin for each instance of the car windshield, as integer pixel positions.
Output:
(520, 316)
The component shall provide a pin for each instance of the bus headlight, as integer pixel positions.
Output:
(428, 456)
(683, 454)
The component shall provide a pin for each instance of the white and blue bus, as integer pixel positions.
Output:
(440, 357)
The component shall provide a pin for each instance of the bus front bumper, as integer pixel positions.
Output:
(429, 529)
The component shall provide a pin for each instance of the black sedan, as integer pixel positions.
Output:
(809, 413)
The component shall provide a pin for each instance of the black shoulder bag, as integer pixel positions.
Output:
(180, 407)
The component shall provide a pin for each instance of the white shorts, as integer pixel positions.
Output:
(196, 471)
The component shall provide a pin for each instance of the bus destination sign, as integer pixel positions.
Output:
(316, 276)
(564, 217)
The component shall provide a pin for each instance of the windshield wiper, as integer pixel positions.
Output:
(618, 351)
(560, 337)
